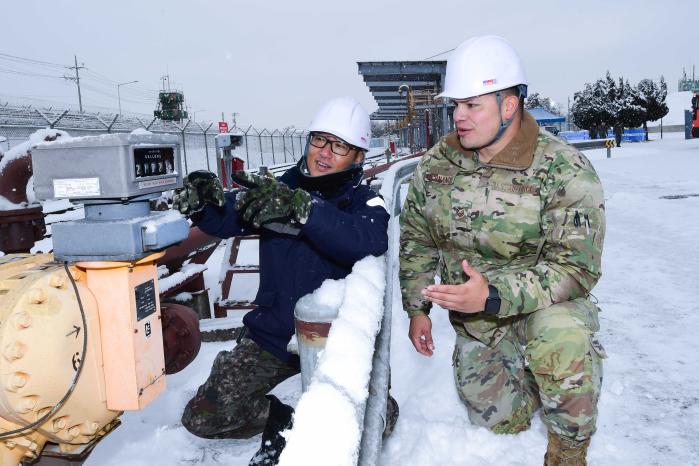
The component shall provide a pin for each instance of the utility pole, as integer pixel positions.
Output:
(76, 79)
(235, 114)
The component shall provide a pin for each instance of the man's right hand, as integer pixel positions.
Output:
(420, 334)
(199, 188)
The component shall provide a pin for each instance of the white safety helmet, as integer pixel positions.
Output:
(345, 118)
(482, 65)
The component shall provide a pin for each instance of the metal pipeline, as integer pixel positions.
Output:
(313, 322)
(375, 413)
(20, 227)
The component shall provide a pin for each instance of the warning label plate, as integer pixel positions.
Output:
(76, 187)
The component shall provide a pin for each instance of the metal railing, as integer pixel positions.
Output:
(374, 414)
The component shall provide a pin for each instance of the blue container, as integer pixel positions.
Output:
(630, 134)
(575, 135)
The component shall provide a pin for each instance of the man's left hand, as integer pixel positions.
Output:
(273, 201)
(467, 297)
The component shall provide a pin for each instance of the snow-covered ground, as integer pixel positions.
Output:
(649, 409)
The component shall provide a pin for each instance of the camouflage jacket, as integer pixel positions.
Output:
(531, 220)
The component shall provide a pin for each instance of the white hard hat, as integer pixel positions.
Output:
(482, 65)
(345, 118)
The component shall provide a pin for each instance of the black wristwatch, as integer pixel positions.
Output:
(492, 303)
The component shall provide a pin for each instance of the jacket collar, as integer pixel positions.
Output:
(518, 154)
(336, 194)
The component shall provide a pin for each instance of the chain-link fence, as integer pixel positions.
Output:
(260, 146)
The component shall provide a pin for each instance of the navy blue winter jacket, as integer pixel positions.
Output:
(340, 230)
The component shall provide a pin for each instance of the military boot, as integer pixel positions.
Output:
(280, 418)
(392, 412)
(566, 452)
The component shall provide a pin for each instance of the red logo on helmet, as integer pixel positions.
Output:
(490, 82)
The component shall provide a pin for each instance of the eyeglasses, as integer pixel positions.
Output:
(337, 147)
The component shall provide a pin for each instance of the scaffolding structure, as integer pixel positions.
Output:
(405, 94)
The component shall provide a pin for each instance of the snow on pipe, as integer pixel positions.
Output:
(341, 414)
(330, 413)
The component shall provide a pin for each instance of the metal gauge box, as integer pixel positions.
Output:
(110, 166)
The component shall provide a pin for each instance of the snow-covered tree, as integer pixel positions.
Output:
(607, 103)
(534, 100)
(380, 129)
(651, 97)
(626, 113)
(590, 107)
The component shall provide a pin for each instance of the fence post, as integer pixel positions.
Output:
(184, 146)
(271, 140)
(206, 144)
(247, 153)
(259, 145)
(286, 130)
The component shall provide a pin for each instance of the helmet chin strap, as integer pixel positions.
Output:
(504, 124)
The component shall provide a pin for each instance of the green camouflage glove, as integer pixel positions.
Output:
(198, 189)
(271, 201)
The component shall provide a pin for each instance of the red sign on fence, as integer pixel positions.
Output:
(222, 127)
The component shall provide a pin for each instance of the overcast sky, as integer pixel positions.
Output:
(275, 63)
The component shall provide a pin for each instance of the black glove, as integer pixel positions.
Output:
(268, 200)
(199, 188)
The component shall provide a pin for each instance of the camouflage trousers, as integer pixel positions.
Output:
(232, 403)
(546, 359)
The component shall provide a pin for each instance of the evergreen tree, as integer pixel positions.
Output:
(536, 101)
(584, 111)
(627, 112)
(651, 98)
(380, 129)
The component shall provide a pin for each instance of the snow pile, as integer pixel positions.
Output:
(37, 137)
(329, 416)
(151, 227)
(141, 132)
(5, 204)
(22, 150)
(176, 278)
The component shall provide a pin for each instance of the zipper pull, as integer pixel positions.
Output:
(576, 219)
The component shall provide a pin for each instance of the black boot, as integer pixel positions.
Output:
(279, 420)
(392, 412)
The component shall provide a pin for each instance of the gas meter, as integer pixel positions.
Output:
(114, 176)
(81, 330)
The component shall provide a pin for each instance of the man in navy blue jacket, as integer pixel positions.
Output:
(314, 223)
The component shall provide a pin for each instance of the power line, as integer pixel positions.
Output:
(108, 94)
(30, 60)
(26, 73)
(440, 53)
(140, 95)
(135, 92)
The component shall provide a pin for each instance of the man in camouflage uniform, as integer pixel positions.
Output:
(512, 220)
